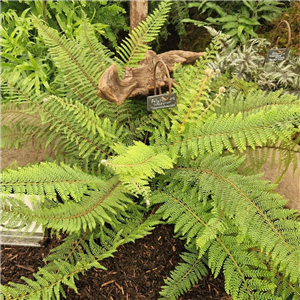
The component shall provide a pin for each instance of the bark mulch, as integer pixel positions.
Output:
(136, 272)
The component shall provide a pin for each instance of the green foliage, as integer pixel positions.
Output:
(107, 17)
(247, 62)
(133, 48)
(190, 161)
(239, 19)
(185, 275)
(24, 56)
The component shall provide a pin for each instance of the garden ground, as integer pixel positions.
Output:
(136, 272)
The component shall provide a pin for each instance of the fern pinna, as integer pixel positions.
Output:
(198, 162)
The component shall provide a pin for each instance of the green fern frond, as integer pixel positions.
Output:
(80, 66)
(94, 208)
(246, 276)
(185, 276)
(261, 209)
(138, 165)
(189, 215)
(197, 104)
(225, 248)
(225, 132)
(49, 180)
(181, 11)
(81, 126)
(134, 48)
(133, 226)
(256, 101)
(97, 207)
(48, 284)
(100, 53)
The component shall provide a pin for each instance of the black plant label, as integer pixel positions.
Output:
(159, 101)
(277, 54)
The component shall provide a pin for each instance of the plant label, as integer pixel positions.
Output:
(277, 55)
(158, 101)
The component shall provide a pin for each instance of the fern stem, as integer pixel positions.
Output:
(237, 265)
(77, 92)
(210, 105)
(207, 76)
(87, 211)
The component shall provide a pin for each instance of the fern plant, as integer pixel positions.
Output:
(114, 163)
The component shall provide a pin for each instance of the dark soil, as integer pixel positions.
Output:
(136, 272)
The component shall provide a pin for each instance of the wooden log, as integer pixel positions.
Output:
(138, 12)
(139, 81)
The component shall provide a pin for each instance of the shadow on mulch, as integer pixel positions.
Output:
(136, 272)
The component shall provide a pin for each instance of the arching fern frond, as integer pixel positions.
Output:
(100, 53)
(78, 253)
(263, 211)
(225, 132)
(185, 276)
(80, 66)
(94, 136)
(137, 165)
(49, 180)
(247, 275)
(256, 101)
(103, 241)
(133, 48)
(48, 285)
(95, 208)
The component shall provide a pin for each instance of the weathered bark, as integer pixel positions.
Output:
(139, 81)
(138, 12)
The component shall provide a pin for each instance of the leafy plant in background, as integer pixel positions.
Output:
(114, 163)
(22, 54)
(180, 11)
(107, 17)
(247, 62)
(239, 19)
(25, 54)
